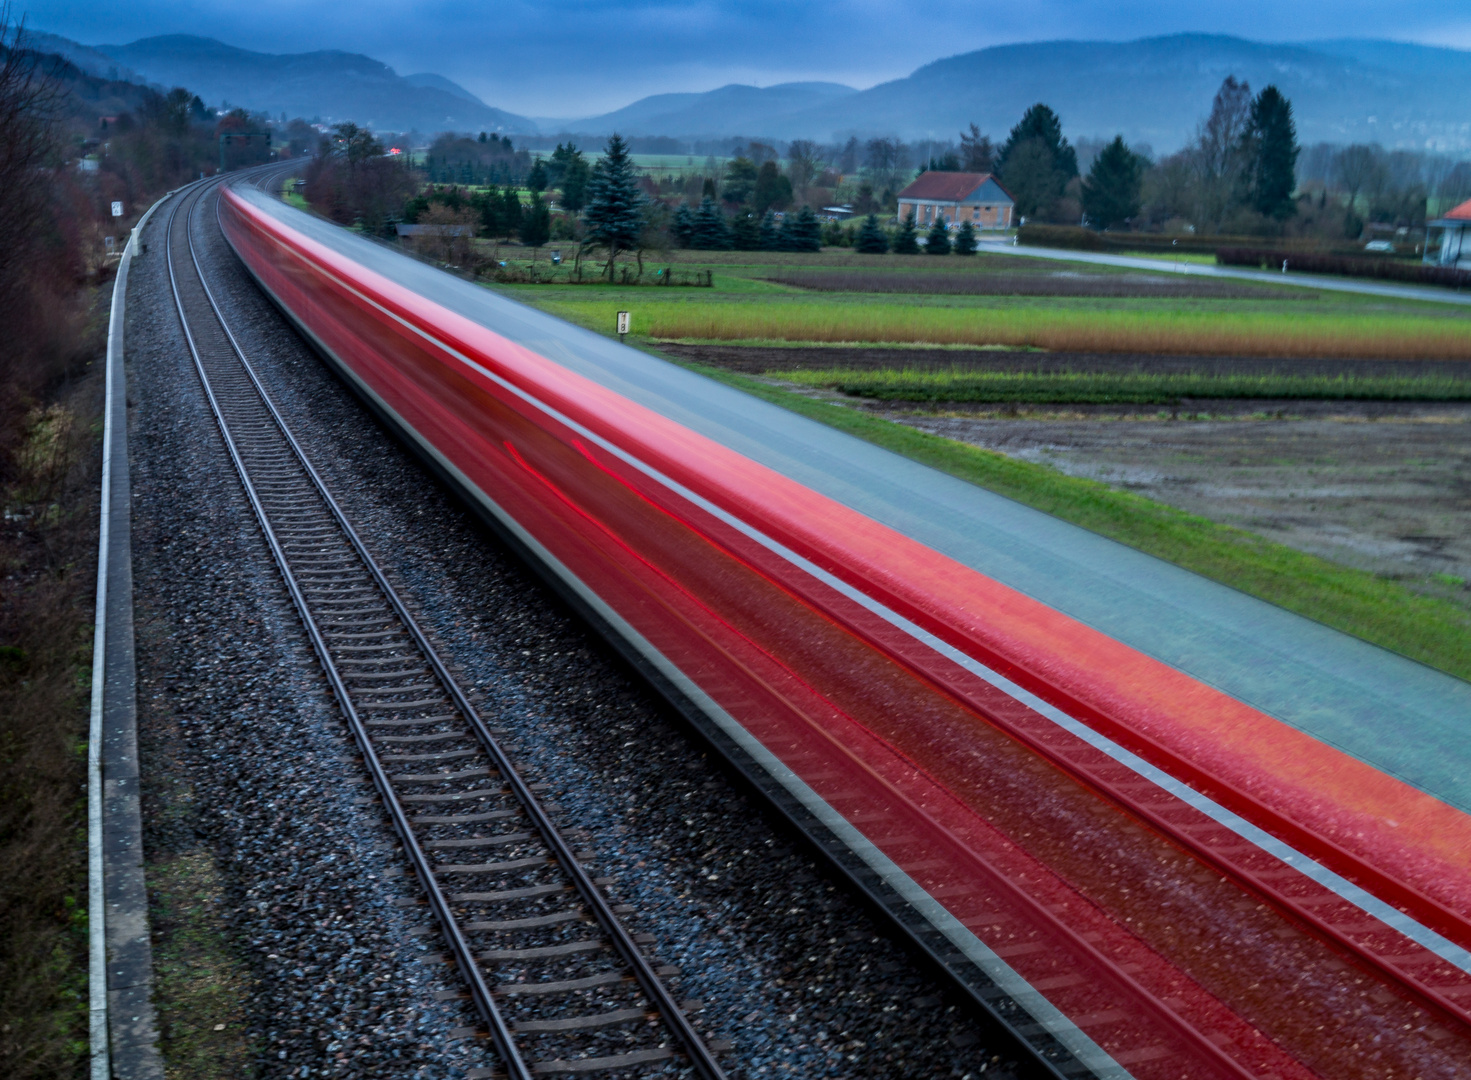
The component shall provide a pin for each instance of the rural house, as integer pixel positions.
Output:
(1454, 250)
(958, 196)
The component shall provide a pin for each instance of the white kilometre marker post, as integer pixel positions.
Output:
(622, 325)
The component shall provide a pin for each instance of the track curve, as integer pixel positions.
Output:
(1039, 794)
(398, 697)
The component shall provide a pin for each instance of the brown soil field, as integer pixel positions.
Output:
(1381, 486)
(1035, 283)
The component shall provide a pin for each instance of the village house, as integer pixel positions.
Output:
(1454, 250)
(957, 197)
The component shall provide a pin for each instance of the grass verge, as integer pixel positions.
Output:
(1175, 329)
(1142, 388)
(201, 987)
(1383, 612)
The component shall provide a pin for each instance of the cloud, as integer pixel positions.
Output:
(581, 57)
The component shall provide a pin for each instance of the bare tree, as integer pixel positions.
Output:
(885, 161)
(805, 160)
(977, 152)
(29, 102)
(1358, 169)
(1220, 155)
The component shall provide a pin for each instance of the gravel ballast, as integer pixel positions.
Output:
(245, 757)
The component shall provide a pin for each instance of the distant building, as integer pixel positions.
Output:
(957, 197)
(1454, 250)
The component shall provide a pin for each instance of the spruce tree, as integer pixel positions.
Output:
(486, 204)
(536, 179)
(1273, 141)
(1036, 162)
(1111, 191)
(871, 237)
(965, 239)
(746, 233)
(614, 213)
(510, 215)
(937, 242)
(770, 232)
(803, 232)
(684, 226)
(536, 223)
(905, 240)
(711, 231)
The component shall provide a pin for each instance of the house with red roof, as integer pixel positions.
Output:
(957, 196)
(1453, 229)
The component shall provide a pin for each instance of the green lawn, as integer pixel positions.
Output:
(1178, 327)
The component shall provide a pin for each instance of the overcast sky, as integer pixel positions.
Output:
(582, 57)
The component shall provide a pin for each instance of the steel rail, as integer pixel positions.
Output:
(699, 1055)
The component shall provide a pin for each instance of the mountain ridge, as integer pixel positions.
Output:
(328, 83)
(1152, 90)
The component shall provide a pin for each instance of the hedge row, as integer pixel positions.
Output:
(1345, 265)
(1081, 239)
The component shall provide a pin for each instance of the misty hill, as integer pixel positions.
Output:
(439, 82)
(332, 85)
(1152, 90)
(731, 110)
(86, 58)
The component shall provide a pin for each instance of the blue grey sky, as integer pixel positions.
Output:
(570, 58)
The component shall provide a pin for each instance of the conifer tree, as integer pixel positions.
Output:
(1273, 142)
(871, 237)
(536, 223)
(614, 214)
(746, 233)
(488, 205)
(510, 215)
(937, 242)
(770, 232)
(906, 240)
(965, 239)
(684, 226)
(804, 232)
(711, 231)
(1111, 190)
(536, 179)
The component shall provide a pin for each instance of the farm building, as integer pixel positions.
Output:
(958, 196)
(1453, 250)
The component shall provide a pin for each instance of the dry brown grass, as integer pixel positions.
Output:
(47, 540)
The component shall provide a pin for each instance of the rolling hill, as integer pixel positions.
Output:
(330, 85)
(1153, 90)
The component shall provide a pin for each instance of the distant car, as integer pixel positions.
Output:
(1378, 245)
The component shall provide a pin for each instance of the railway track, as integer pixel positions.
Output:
(561, 986)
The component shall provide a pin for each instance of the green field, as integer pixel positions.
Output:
(745, 307)
(1082, 388)
(1052, 324)
(1284, 321)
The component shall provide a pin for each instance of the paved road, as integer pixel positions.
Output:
(1315, 281)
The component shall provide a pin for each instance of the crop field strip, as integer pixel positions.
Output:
(1281, 331)
(545, 959)
(1141, 388)
(1055, 283)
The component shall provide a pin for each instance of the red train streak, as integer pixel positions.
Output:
(832, 694)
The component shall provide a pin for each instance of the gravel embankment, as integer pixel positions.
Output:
(791, 971)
